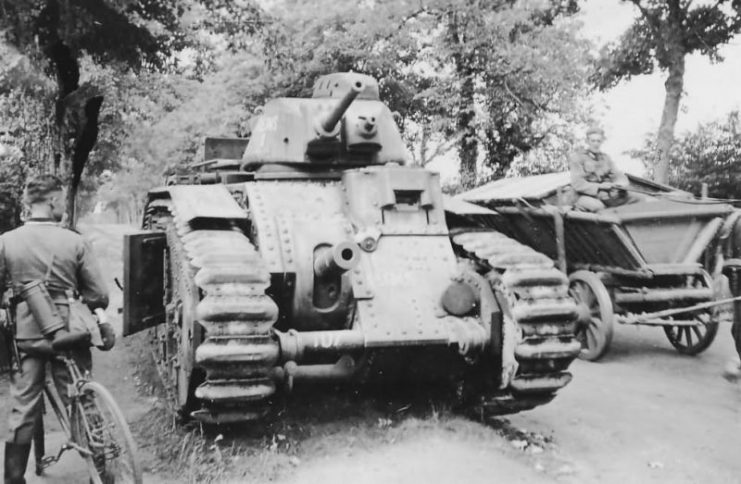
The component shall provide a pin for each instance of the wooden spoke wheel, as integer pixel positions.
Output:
(691, 340)
(596, 334)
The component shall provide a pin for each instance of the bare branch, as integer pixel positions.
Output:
(652, 19)
(512, 94)
(543, 107)
(406, 19)
(444, 147)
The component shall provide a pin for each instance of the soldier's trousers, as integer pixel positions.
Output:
(736, 326)
(587, 203)
(27, 387)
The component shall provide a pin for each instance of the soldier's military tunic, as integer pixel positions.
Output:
(28, 253)
(588, 170)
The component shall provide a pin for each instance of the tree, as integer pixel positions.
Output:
(169, 124)
(661, 37)
(25, 129)
(63, 36)
(515, 64)
(479, 76)
(711, 154)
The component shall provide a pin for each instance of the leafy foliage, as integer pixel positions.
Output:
(133, 33)
(660, 38)
(68, 39)
(161, 123)
(550, 156)
(460, 74)
(711, 154)
(172, 136)
(663, 27)
(24, 144)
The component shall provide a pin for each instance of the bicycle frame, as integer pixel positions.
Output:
(63, 412)
(87, 420)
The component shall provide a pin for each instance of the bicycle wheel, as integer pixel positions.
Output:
(79, 433)
(107, 436)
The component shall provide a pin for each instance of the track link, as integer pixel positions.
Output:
(535, 300)
(222, 276)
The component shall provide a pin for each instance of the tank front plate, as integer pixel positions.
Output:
(406, 277)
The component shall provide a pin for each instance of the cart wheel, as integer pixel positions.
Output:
(586, 288)
(691, 340)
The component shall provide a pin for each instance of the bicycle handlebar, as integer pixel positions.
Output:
(102, 316)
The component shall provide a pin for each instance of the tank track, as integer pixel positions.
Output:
(534, 295)
(221, 273)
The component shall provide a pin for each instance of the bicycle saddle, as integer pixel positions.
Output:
(70, 341)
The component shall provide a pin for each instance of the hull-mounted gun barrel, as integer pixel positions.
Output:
(336, 259)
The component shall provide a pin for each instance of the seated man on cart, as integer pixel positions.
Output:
(595, 178)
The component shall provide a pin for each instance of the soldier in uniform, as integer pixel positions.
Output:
(42, 250)
(732, 270)
(595, 178)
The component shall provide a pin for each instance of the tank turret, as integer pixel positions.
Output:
(343, 123)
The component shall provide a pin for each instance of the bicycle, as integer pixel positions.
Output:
(92, 422)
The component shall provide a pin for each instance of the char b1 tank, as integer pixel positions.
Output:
(319, 254)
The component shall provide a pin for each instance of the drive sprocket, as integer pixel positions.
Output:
(533, 296)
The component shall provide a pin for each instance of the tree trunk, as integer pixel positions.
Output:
(468, 149)
(465, 115)
(424, 137)
(82, 112)
(674, 85)
(497, 158)
(665, 139)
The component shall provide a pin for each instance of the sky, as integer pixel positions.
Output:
(632, 109)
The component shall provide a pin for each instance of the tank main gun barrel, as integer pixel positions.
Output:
(329, 123)
(336, 259)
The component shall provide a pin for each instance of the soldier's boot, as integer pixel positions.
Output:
(16, 460)
(732, 370)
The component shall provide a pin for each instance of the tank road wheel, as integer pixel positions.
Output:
(181, 318)
(596, 335)
(691, 340)
(173, 341)
(167, 344)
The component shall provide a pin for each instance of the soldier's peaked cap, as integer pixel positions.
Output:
(595, 130)
(39, 187)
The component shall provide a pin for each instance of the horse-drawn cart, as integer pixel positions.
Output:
(657, 262)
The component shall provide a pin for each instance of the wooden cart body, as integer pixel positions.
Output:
(647, 257)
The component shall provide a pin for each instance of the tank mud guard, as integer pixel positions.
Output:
(207, 203)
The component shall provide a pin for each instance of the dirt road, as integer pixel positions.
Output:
(642, 414)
